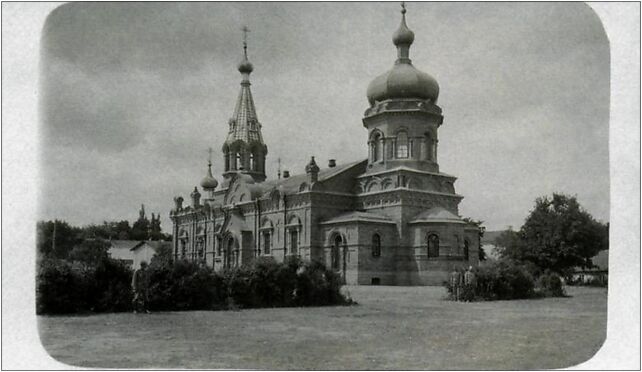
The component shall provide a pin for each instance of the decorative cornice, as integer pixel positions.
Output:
(406, 169)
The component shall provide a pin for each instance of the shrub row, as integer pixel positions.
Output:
(76, 287)
(266, 283)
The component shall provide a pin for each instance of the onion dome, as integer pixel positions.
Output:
(404, 80)
(195, 193)
(245, 67)
(209, 182)
(403, 36)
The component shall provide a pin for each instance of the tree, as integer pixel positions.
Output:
(482, 254)
(91, 252)
(163, 257)
(482, 230)
(141, 228)
(56, 238)
(557, 235)
(508, 245)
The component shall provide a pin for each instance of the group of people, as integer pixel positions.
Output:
(463, 284)
(140, 284)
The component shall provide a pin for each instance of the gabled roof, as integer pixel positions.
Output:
(437, 214)
(154, 244)
(358, 216)
(291, 184)
(124, 244)
(122, 249)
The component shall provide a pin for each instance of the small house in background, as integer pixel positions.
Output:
(146, 250)
(133, 252)
(598, 274)
(121, 250)
(488, 244)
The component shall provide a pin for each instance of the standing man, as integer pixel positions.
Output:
(139, 288)
(470, 283)
(455, 283)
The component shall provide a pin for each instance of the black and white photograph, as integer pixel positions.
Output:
(321, 185)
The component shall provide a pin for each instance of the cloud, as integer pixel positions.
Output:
(134, 94)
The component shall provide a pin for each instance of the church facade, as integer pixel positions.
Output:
(390, 219)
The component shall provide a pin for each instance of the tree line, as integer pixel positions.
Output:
(58, 238)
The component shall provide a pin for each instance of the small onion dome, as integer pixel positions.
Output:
(245, 67)
(403, 81)
(195, 193)
(312, 166)
(403, 35)
(209, 182)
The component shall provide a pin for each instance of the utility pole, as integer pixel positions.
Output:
(53, 239)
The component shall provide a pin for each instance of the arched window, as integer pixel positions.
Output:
(183, 248)
(433, 245)
(267, 242)
(376, 146)
(252, 162)
(376, 245)
(200, 246)
(335, 252)
(227, 160)
(402, 145)
(183, 242)
(466, 249)
(237, 164)
(229, 252)
(294, 241)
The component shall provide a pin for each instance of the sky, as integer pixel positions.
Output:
(134, 94)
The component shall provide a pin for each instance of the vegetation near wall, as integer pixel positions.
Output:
(189, 286)
(508, 280)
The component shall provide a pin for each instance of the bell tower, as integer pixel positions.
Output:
(403, 117)
(244, 150)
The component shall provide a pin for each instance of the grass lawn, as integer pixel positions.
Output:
(391, 328)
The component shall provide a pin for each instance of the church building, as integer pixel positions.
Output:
(390, 219)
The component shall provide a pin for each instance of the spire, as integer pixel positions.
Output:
(244, 125)
(245, 67)
(244, 148)
(403, 38)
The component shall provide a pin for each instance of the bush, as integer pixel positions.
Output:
(183, 285)
(550, 284)
(497, 280)
(76, 287)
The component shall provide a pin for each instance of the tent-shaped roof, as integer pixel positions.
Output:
(358, 216)
(437, 214)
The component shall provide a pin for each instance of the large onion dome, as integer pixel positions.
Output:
(403, 80)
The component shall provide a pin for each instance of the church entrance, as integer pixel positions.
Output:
(338, 256)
